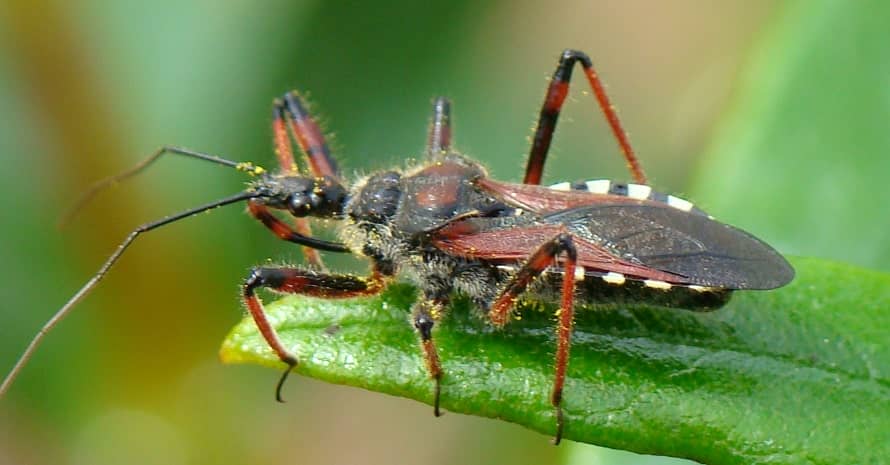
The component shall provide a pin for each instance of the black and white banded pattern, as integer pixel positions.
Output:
(609, 288)
(634, 191)
(618, 279)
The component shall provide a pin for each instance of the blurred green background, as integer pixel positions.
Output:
(88, 88)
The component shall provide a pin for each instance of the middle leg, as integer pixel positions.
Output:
(539, 261)
(425, 313)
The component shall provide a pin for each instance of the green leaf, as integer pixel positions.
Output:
(798, 375)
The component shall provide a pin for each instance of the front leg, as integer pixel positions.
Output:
(305, 282)
(291, 234)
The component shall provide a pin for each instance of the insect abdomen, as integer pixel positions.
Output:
(614, 289)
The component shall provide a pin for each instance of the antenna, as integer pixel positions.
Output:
(62, 312)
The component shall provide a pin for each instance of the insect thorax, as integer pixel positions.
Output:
(391, 214)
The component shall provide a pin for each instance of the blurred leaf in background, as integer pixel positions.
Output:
(804, 155)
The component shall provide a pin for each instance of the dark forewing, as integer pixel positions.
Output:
(483, 239)
(705, 252)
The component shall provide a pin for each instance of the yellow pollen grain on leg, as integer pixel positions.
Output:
(250, 168)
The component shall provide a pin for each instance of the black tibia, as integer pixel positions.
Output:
(425, 313)
(439, 140)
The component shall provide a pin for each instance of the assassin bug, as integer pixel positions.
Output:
(449, 228)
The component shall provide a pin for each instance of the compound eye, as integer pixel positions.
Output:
(299, 204)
